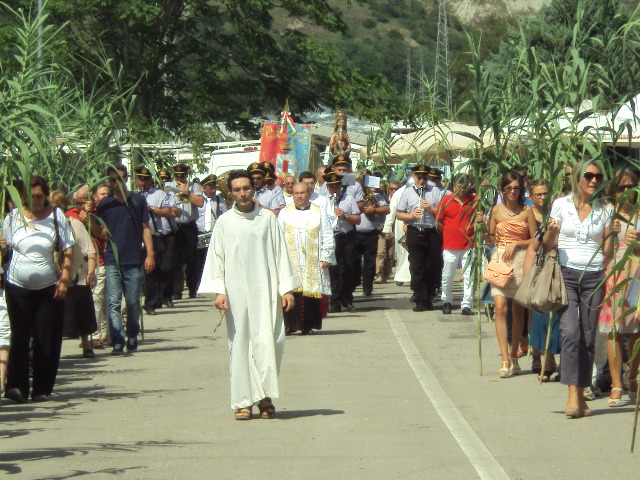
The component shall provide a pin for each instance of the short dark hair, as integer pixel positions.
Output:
(306, 174)
(118, 167)
(38, 181)
(235, 174)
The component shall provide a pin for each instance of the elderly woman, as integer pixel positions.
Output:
(79, 311)
(35, 291)
(578, 226)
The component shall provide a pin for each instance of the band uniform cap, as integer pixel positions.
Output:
(328, 171)
(181, 169)
(332, 178)
(340, 160)
(435, 172)
(164, 173)
(255, 167)
(268, 167)
(269, 176)
(142, 172)
(420, 168)
(209, 180)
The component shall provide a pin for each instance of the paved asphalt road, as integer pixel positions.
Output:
(384, 393)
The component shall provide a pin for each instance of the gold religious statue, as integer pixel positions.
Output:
(340, 143)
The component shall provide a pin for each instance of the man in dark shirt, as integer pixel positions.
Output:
(126, 227)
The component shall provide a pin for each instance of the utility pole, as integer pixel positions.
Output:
(442, 82)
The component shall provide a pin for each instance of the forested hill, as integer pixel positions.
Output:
(390, 36)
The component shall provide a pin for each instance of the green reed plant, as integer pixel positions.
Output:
(536, 117)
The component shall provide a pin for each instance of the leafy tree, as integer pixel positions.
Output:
(196, 61)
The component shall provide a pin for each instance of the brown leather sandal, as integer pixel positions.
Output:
(267, 410)
(243, 413)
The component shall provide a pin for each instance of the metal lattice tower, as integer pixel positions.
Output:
(408, 87)
(423, 81)
(442, 84)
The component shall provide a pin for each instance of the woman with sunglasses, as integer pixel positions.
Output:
(512, 226)
(614, 320)
(578, 227)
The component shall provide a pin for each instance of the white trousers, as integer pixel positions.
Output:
(451, 259)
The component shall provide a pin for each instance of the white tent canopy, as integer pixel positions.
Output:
(434, 145)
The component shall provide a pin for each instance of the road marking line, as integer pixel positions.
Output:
(478, 454)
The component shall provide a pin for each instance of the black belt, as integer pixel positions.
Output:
(367, 233)
(422, 229)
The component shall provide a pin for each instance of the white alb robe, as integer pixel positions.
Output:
(248, 261)
(309, 238)
(402, 256)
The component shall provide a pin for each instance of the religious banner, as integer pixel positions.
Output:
(288, 151)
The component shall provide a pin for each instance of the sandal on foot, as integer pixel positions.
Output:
(243, 413)
(267, 410)
(615, 402)
(88, 353)
(546, 375)
(505, 371)
(536, 364)
(573, 412)
(514, 368)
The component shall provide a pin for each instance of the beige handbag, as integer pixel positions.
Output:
(498, 274)
(542, 288)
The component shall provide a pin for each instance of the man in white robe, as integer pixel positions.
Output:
(251, 273)
(308, 234)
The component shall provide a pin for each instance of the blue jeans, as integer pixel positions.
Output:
(127, 280)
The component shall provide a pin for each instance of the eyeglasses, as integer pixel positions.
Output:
(589, 176)
(512, 189)
(540, 195)
(622, 188)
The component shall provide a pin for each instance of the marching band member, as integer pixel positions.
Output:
(417, 208)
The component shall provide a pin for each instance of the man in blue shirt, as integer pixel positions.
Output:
(126, 221)
(270, 199)
(160, 210)
(417, 208)
(345, 208)
(187, 266)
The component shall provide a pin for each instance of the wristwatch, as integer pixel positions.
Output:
(345, 216)
(152, 208)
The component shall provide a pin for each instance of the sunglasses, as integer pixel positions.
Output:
(512, 189)
(622, 188)
(588, 176)
(422, 177)
(540, 195)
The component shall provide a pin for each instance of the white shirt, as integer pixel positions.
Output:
(32, 241)
(580, 243)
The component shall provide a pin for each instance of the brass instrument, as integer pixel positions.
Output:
(223, 188)
(183, 197)
(370, 200)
